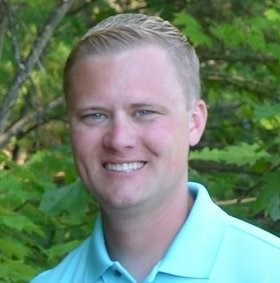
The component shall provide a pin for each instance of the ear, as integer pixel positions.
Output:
(197, 121)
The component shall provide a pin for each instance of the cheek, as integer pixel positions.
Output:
(84, 153)
(76, 140)
(82, 141)
(168, 139)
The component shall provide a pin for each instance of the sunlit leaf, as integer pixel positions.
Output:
(13, 248)
(16, 271)
(240, 155)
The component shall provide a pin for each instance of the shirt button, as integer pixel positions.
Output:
(117, 273)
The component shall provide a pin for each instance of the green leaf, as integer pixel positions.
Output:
(255, 39)
(230, 34)
(274, 49)
(20, 222)
(14, 270)
(268, 115)
(192, 29)
(272, 15)
(59, 250)
(13, 248)
(240, 155)
(269, 199)
(266, 110)
(71, 198)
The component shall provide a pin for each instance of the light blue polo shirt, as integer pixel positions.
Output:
(211, 247)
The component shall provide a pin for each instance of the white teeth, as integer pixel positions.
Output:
(124, 167)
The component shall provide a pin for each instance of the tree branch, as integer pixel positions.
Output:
(244, 83)
(36, 51)
(29, 121)
(12, 28)
(3, 24)
(209, 166)
(247, 58)
(236, 201)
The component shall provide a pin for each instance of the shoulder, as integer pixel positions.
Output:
(253, 240)
(253, 232)
(235, 229)
(71, 265)
(247, 254)
(243, 252)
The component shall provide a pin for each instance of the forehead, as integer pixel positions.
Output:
(146, 61)
(134, 72)
(131, 54)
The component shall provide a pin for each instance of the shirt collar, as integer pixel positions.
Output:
(192, 253)
(195, 247)
(98, 258)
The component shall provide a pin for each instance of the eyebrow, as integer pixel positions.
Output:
(102, 107)
(135, 105)
(82, 109)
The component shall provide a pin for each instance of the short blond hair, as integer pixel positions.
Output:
(124, 31)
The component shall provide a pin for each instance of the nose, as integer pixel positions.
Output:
(121, 134)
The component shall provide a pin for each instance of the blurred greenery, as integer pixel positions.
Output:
(45, 210)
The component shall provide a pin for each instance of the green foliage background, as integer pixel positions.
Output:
(44, 209)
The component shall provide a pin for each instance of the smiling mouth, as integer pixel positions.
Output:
(124, 167)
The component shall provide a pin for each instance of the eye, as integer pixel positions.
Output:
(146, 115)
(144, 112)
(94, 118)
(97, 116)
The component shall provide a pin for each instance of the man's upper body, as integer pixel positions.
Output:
(131, 124)
(210, 247)
(133, 96)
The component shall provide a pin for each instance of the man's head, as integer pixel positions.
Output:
(125, 31)
(132, 116)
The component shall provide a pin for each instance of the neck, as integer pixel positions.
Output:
(139, 240)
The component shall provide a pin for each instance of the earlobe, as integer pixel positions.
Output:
(197, 122)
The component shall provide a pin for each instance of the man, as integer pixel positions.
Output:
(133, 96)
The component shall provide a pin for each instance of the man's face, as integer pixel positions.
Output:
(129, 126)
